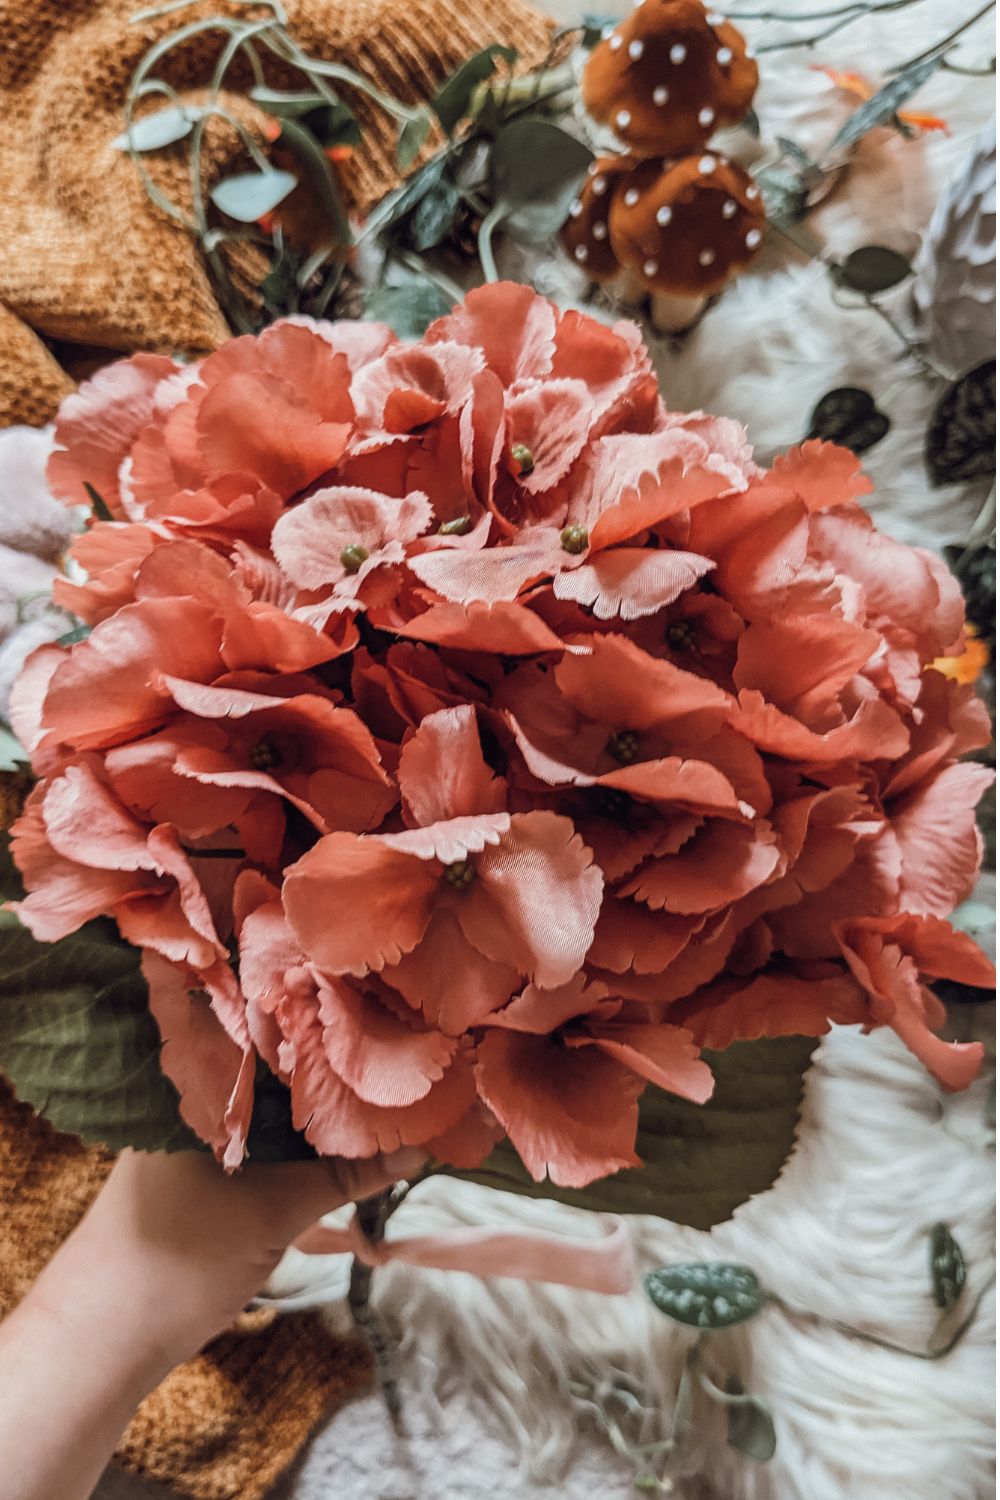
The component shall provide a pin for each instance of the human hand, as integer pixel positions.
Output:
(166, 1257)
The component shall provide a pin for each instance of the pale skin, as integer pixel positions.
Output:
(167, 1256)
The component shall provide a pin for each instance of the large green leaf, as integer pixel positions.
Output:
(701, 1160)
(451, 102)
(78, 1042)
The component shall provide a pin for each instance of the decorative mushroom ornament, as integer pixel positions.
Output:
(668, 76)
(676, 231)
(682, 229)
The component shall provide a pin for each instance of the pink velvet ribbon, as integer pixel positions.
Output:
(602, 1265)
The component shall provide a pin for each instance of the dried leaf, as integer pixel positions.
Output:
(961, 437)
(850, 417)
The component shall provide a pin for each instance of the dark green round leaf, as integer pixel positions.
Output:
(848, 416)
(961, 437)
(947, 1267)
(162, 128)
(411, 137)
(750, 1428)
(451, 102)
(873, 268)
(709, 1294)
(533, 160)
(250, 195)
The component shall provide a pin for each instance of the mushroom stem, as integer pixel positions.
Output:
(629, 289)
(672, 314)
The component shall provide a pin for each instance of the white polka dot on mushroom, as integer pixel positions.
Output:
(661, 94)
(650, 267)
(599, 184)
(678, 52)
(615, 42)
(600, 230)
(724, 57)
(706, 257)
(752, 53)
(706, 165)
(754, 238)
(729, 208)
(635, 50)
(606, 33)
(714, 19)
(575, 209)
(706, 116)
(664, 215)
(581, 252)
(623, 119)
(753, 193)
(631, 198)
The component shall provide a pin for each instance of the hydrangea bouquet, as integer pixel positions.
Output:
(468, 744)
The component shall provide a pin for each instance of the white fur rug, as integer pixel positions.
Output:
(882, 1154)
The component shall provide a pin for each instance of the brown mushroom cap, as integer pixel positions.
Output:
(668, 76)
(585, 234)
(684, 227)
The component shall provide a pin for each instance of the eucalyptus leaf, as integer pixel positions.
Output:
(849, 416)
(533, 160)
(316, 166)
(784, 194)
(78, 633)
(250, 195)
(881, 107)
(750, 1428)
(409, 309)
(701, 1161)
(706, 1295)
(286, 105)
(397, 205)
(162, 128)
(412, 136)
(961, 437)
(873, 268)
(947, 1265)
(451, 102)
(434, 215)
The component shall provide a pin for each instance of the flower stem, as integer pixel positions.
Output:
(372, 1216)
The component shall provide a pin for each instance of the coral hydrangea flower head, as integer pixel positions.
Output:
(469, 742)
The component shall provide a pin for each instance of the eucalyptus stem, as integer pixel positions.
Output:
(931, 1352)
(373, 1214)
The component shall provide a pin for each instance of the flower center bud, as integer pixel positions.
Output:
(574, 538)
(624, 746)
(265, 755)
(680, 636)
(353, 556)
(523, 457)
(460, 526)
(460, 875)
(613, 804)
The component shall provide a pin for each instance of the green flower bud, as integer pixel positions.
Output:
(574, 539)
(460, 526)
(353, 556)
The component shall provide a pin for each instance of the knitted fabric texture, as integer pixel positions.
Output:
(228, 1423)
(87, 258)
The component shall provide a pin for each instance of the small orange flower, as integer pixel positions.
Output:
(856, 84)
(969, 666)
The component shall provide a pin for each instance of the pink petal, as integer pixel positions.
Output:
(552, 419)
(723, 862)
(450, 981)
(507, 629)
(383, 1058)
(442, 773)
(541, 1012)
(665, 1055)
(308, 540)
(511, 324)
(492, 575)
(571, 1115)
(940, 844)
(630, 582)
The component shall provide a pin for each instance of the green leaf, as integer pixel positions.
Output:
(535, 170)
(701, 1160)
(434, 215)
(286, 105)
(750, 1428)
(412, 136)
(707, 1295)
(78, 633)
(873, 268)
(13, 756)
(161, 128)
(961, 437)
(594, 27)
(881, 107)
(848, 416)
(409, 309)
(317, 167)
(333, 125)
(78, 1042)
(451, 102)
(250, 195)
(97, 500)
(947, 1263)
